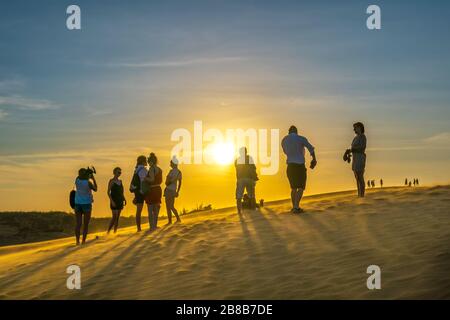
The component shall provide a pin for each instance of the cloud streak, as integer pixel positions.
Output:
(177, 63)
(27, 103)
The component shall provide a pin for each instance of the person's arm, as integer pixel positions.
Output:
(93, 184)
(283, 142)
(179, 184)
(150, 177)
(311, 150)
(109, 193)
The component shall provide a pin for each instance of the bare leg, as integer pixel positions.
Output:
(113, 220)
(169, 205)
(86, 220)
(298, 197)
(239, 205)
(116, 225)
(293, 195)
(150, 216)
(358, 184)
(156, 208)
(139, 208)
(79, 221)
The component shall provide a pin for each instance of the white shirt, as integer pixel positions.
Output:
(142, 172)
(294, 148)
(173, 177)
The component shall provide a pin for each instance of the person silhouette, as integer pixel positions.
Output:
(417, 181)
(409, 183)
(294, 148)
(381, 183)
(173, 185)
(368, 184)
(406, 181)
(154, 193)
(116, 199)
(358, 149)
(246, 178)
(85, 183)
(373, 183)
(140, 172)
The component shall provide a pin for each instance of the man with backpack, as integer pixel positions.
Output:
(140, 172)
(246, 179)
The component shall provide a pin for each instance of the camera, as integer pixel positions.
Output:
(347, 156)
(90, 171)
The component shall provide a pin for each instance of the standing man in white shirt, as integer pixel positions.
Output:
(294, 147)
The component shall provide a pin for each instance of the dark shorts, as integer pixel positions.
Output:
(119, 204)
(83, 208)
(138, 198)
(297, 175)
(154, 195)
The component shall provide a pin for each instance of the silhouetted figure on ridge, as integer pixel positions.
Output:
(246, 178)
(381, 183)
(358, 151)
(116, 199)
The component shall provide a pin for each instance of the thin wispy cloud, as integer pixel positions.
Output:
(27, 103)
(443, 137)
(177, 63)
(3, 114)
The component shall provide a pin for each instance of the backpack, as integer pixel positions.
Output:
(72, 199)
(135, 184)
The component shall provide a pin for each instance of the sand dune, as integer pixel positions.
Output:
(269, 254)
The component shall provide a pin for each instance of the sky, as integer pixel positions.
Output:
(138, 70)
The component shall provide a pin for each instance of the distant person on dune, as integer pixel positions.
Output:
(140, 172)
(381, 183)
(417, 181)
(85, 183)
(153, 191)
(116, 198)
(358, 150)
(406, 182)
(173, 185)
(373, 183)
(246, 177)
(368, 184)
(294, 148)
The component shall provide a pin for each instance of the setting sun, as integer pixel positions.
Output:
(223, 153)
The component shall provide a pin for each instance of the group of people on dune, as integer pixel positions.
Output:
(148, 177)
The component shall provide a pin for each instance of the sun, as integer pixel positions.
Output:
(223, 153)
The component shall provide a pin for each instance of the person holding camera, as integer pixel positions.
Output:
(152, 191)
(84, 184)
(116, 198)
(294, 148)
(358, 152)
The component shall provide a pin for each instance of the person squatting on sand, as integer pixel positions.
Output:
(173, 185)
(246, 179)
(85, 183)
(140, 172)
(152, 191)
(116, 198)
(294, 147)
(358, 150)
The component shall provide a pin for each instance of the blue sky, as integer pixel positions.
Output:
(139, 69)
